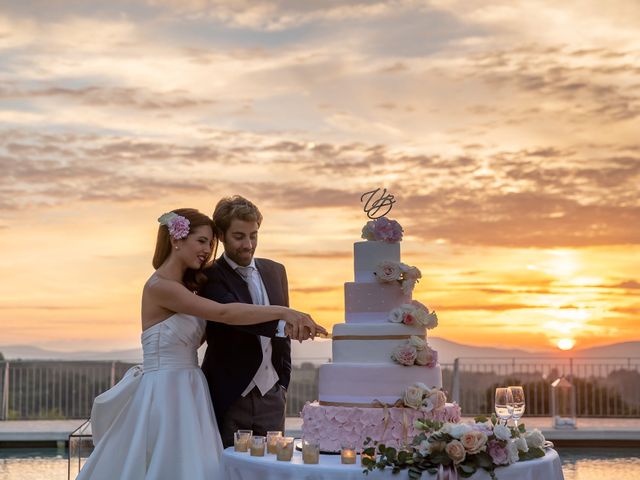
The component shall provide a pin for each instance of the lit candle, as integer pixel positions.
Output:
(348, 454)
(310, 452)
(272, 441)
(285, 449)
(257, 446)
(241, 440)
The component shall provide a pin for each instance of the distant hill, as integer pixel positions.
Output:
(319, 351)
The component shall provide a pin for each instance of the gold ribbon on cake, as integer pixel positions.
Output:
(374, 337)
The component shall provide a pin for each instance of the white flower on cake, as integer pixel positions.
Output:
(414, 313)
(418, 342)
(434, 400)
(390, 271)
(420, 397)
(413, 397)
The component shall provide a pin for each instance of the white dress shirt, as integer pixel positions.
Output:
(266, 376)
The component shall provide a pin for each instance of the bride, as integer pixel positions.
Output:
(158, 423)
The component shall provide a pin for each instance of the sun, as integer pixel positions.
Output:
(566, 343)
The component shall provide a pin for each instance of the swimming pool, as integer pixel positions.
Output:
(577, 464)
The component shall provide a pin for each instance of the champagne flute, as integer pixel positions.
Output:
(504, 404)
(518, 403)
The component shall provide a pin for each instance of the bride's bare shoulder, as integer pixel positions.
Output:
(158, 284)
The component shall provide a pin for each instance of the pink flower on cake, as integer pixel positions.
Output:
(414, 313)
(474, 441)
(382, 229)
(427, 357)
(404, 355)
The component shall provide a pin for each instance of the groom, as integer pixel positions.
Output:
(247, 368)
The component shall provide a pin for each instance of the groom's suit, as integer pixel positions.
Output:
(234, 353)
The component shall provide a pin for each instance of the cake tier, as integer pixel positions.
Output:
(333, 426)
(367, 255)
(372, 302)
(352, 384)
(370, 343)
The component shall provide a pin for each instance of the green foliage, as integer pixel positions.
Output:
(531, 454)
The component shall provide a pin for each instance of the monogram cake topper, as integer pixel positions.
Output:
(373, 206)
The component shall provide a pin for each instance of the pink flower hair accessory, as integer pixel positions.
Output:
(177, 225)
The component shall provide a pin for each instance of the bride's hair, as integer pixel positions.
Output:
(193, 279)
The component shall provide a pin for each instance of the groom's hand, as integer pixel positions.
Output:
(301, 326)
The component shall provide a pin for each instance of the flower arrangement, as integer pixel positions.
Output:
(415, 352)
(383, 230)
(457, 448)
(390, 271)
(414, 313)
(177, 224)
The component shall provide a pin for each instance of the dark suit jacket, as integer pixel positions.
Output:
(234, 353)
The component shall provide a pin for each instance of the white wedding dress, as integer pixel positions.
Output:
(158, 423)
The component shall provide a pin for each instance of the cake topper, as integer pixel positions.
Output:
(372, 207)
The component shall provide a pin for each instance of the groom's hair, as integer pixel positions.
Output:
(235, 207)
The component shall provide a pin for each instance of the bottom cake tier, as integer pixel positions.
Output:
(332, 427)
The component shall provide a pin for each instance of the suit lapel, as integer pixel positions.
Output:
(235, 281)
(270, 281)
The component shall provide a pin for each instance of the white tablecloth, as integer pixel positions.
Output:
(242, 466)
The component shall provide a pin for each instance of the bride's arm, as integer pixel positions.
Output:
(175, 297)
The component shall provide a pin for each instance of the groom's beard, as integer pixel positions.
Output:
(242, 257)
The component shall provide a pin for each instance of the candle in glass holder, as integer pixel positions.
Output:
(348, 454)
(272, 441)
(241, 440)
(285, 449)
(257, 446)
(310, 452)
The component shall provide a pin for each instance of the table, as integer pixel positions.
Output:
(242, 466)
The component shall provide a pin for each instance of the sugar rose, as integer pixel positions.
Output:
(388, 272)
(404, 355)
(427, 357)
(413, 397)
(474, 441)
(417, 342)
(456, 451)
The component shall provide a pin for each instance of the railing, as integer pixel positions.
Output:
(605, 387)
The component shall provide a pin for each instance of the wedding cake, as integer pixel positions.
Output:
(383, 375)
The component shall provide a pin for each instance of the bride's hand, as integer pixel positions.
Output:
(300, 322)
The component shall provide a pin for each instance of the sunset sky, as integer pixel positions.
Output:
(509, 133)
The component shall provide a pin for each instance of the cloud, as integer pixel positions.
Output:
(109, 96)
